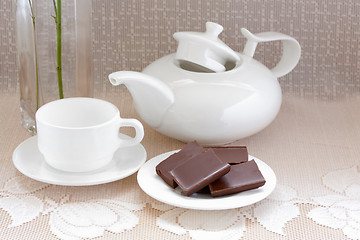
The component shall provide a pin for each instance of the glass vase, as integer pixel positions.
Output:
(54, 53)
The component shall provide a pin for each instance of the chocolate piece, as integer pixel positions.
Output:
(231, 154)
(242, 177)
(163, 168)
(199, 171)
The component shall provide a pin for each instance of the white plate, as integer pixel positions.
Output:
(29, 161)
(156, 188)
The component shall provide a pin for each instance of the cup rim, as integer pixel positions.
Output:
(41, 109)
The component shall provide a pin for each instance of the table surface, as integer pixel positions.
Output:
(312, 146)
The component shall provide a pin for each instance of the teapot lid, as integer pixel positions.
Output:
(205, 48)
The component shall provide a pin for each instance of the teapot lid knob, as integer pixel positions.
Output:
(213, 30)
(205, 49)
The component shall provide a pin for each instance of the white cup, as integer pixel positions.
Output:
(82, 134)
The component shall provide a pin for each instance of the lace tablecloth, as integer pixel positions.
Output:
(313, 147)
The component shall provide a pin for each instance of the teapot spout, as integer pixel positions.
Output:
(152, 97)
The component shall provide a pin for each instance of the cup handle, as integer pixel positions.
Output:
(139, 132)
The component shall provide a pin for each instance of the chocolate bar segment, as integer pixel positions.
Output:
(241, 177)
(163, 168)
(231, 154)
(199, 171)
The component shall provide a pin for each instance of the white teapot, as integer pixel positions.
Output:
(206, 91)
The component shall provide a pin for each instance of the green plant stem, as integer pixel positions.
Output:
(36, 58)
(58, 34)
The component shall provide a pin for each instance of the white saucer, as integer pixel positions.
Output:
(30, 162)
(156, 188)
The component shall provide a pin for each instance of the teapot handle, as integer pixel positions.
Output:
(290, 54)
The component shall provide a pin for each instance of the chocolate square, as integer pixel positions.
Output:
(199, 171)
(241, 177)
(162, 169)
(231, 154)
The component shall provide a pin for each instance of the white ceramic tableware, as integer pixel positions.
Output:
(30, 162)
(82, 134)
(156, 188)
(211, 107)
(204, 49)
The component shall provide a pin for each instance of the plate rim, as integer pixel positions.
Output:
(270, 174)
(32, 140)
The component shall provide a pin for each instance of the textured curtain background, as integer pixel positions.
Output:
(128, 35)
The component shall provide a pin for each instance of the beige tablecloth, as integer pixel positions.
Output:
(313, 147)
